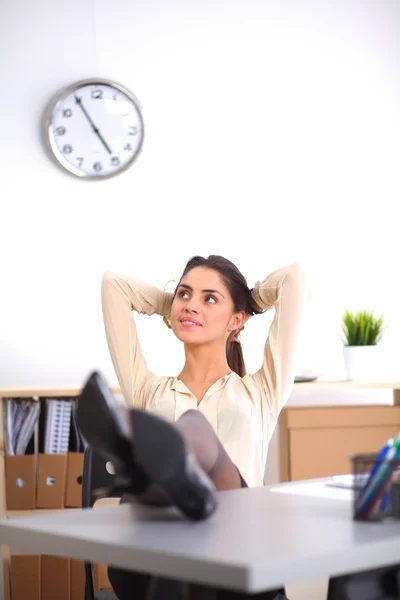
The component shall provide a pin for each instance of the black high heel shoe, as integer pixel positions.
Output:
(105, 427)
(160, 451)
(144, 450)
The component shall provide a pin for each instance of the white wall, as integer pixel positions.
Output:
(272, 136)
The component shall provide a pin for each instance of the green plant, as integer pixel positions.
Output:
(362, 328)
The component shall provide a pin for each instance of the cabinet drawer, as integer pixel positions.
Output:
(325, 452)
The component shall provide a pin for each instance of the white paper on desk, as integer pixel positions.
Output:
(317, 490)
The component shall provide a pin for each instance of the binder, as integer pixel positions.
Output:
(52, 463)
(77, 579)
(51, 480)
(73, 489)
(20, 417)
(25, 580)
(56, 578)
(58, 425)
(20, 482)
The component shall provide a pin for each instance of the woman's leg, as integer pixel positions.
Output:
(154, 439)
(204, 444)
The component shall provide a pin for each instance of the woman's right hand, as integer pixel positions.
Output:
(256, 306)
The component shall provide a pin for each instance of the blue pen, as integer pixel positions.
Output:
(395, 457)
(382, 471)
(382, 454)
(385, 501)
(366, 491)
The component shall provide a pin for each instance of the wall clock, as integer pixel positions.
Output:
(94, 128)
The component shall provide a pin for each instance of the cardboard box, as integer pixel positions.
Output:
(20, 482)
(25, 577)
(73, 490)
(77, 569)
(55, 578)
(52, 474)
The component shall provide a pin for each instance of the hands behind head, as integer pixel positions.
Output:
(256, 307)
(248, 316)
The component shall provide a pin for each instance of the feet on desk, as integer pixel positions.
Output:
(148, 453)
(160, 451)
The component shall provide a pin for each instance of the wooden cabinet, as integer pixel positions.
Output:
(317, 442)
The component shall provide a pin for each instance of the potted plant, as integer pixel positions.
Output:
(362, 331)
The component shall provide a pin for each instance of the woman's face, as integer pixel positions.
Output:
(203, 310)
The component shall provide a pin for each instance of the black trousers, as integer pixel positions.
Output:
(137, 586)
(129, 585)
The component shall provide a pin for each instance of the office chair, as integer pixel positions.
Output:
(376, 584)
(95, 476)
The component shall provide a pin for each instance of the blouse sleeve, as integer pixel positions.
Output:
(120, 296)
(284, 290)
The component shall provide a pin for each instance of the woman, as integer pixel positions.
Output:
(209, 308)
(225, 416)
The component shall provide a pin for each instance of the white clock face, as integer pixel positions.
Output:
(95, 129)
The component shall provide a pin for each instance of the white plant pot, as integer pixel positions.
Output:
(361, 362)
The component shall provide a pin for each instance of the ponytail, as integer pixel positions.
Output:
(234, 352)
(234, 355)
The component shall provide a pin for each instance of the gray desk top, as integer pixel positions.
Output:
(258, 539)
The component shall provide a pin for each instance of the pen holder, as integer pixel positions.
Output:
(376, 488)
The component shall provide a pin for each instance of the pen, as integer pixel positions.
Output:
(382, 454)
(379, 479)
(384, 491)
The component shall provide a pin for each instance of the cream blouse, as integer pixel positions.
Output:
(242, 410)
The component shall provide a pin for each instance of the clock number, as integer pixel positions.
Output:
(80, 160)
(60, 130)
(67, 149)
(115, 161)
(132, 130)
(97, 167)
(128, 147)
(97, 94)
(67, 112)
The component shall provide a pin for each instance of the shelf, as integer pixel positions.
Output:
(44, 391)
(39, 511)
(319, 386)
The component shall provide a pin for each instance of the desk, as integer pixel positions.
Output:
(257, 540)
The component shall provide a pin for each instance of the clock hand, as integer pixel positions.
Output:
(96, 131)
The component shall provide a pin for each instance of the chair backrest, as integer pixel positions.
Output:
(96, 475)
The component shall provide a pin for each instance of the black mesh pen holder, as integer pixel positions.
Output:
(372, 500)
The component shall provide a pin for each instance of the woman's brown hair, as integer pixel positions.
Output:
(240, 294)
